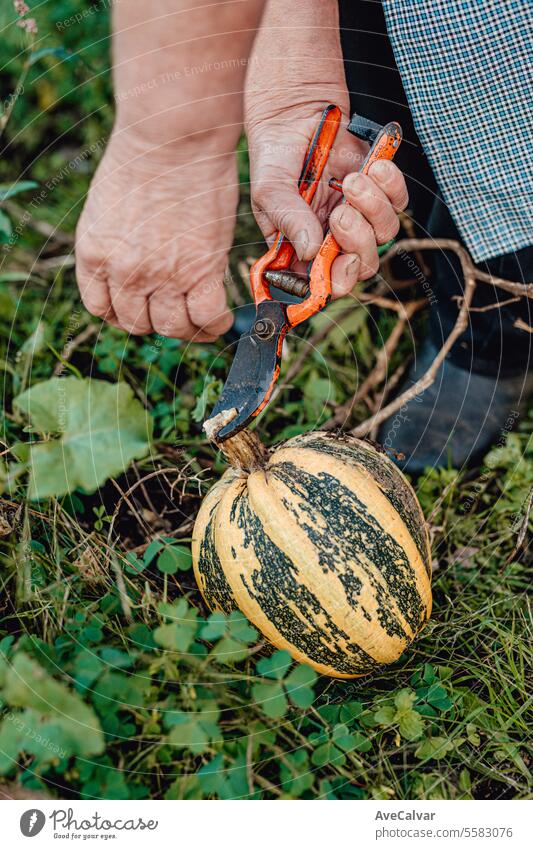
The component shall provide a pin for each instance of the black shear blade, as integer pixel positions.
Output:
(254, 370)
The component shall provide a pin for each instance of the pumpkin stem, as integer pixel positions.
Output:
(244, 450)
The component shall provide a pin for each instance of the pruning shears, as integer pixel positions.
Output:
(256, 364)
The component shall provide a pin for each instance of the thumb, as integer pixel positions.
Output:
(278, 205)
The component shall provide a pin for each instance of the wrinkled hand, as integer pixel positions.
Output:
(153, 239)
(278, 136)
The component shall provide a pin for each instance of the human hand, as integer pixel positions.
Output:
(296, 70)
(279, 131)
(153, 239)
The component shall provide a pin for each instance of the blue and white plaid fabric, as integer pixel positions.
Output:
(466, 66)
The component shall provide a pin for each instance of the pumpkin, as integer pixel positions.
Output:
(322, 544)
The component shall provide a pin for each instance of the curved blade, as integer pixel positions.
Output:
(254, 370)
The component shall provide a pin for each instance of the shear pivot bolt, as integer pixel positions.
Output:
(264, 328)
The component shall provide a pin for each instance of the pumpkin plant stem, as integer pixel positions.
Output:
(244, 450)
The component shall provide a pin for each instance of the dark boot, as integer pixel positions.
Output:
(482, 387)
(457, 419)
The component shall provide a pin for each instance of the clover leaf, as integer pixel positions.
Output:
(193, 731)
(233, 634)
(434, 748)
(226, 780)
(274, 695)
(409, 723)
(331, 747)
(295, 773)
(179, 633)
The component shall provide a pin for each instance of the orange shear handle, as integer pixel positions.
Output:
(281, 252)
(384, 147)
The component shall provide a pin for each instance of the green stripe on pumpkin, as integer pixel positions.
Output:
(392, 482)
(354, 534)
(276, 588)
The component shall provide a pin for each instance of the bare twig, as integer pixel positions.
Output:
(72, 344)
(469, 274)
(497, 305)
(53, 262)
(389, 387)
(379, 372)
(523, 325)
(315, 340)
(521, 289)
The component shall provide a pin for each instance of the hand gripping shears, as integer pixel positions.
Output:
(256, 364)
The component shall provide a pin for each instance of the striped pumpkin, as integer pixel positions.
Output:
(325, 550)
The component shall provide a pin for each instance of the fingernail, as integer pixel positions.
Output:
(352, 271)
(356, 183)
(381, 170)
(301, 243)
(346, 218)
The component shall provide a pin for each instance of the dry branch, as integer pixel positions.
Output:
(523, 325)
(379, 372)
(471, 274)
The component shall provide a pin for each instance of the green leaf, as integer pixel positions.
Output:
(425, 675)
(5, 228)
(116, 658)
(438, 697)
(58, 52)
(318, 392)
(350, 711)
(275, 666)
(35, 343)
(8, 191)
(118, 691)
(328, 753)
(299, 686)
(215, 627)
(411, 725)
(472, 735)
(206, 399)
(295, 775)
(329, 713)
(87, 668)
(342, 738)
(180, 633)
(360, 742)
(193, 731)
(404, 700)
(465, 782)
(229, 651)
(98, 428)
(153, 549)
(240, 628)
(234, 634)
(55, 723)
(434, 748)
(226, 783)
(271, 698)
(174, 558)
(385, 715)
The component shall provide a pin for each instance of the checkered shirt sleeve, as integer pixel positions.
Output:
(466, 66)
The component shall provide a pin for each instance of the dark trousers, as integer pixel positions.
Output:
(492, 344)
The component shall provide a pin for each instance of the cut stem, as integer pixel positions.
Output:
(243, 451)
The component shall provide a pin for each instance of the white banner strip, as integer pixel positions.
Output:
(308, 824)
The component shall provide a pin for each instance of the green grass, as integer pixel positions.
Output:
(114, 682)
